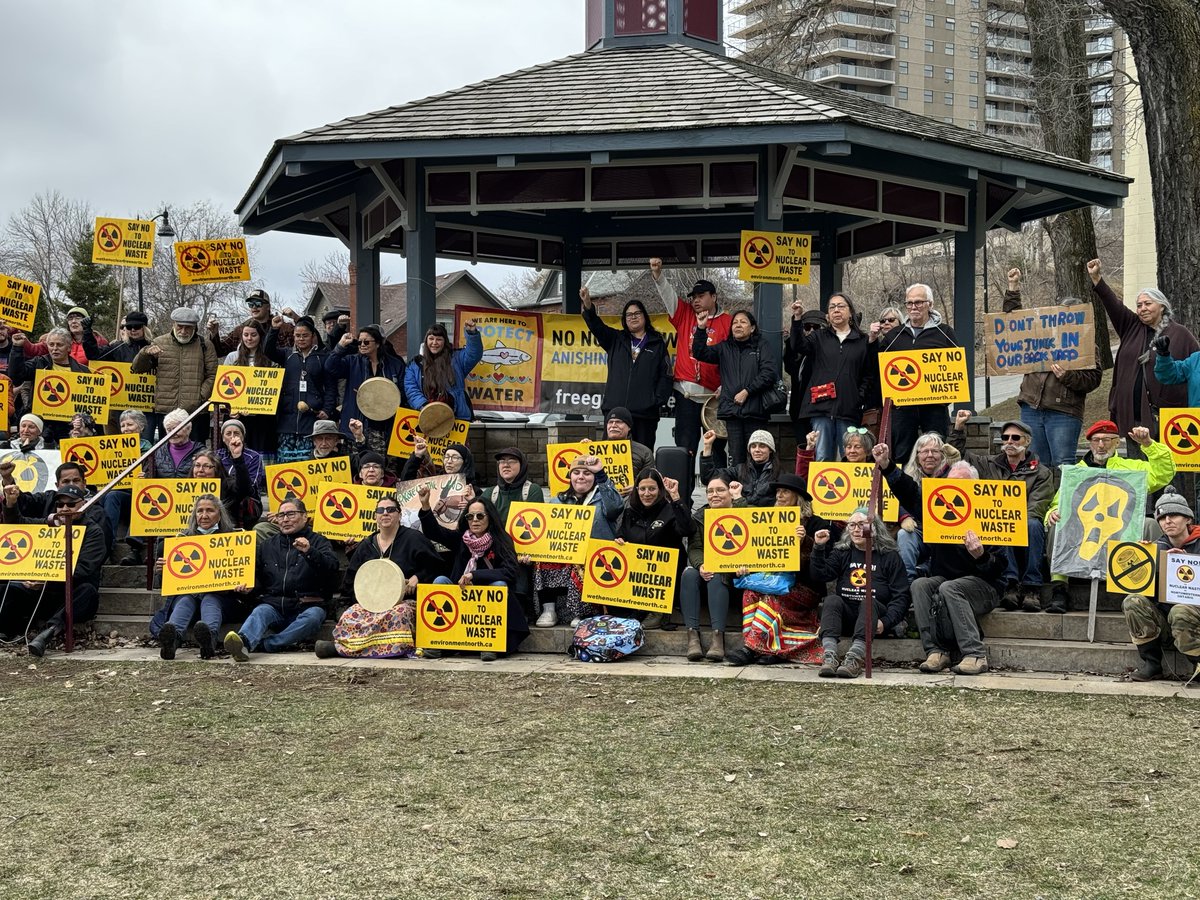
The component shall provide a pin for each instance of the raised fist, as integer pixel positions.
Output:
(1093, 270)
(1162, 345)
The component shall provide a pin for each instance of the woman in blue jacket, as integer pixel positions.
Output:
(439, 374)
(374, 359)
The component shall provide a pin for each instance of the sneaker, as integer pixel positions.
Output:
(204, 640)
(740, 657)
(935, 662)
(430, 654)
(971, 665)
(548, 618)
(168, 641)
(236, 647)
(325, 649)
(1060, 598)
(852, 666)
(1011, 600)
(1031, 598)
(829, 664)
(652, 621)
(487, 656)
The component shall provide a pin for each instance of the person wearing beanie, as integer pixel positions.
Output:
(372, 470)
(29, 434)
(619, 427)
(513, 484)
(1137, 395)
(1103, 439)
(1148, 620)
(85, 344)
(756, 474)
(246, 465)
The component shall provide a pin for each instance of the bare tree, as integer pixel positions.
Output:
(37, 244)
(334, 268)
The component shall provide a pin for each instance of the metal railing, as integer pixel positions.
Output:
(67, 518)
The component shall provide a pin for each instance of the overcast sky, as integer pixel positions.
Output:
(128, 107)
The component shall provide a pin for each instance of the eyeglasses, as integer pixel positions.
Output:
(890, 320)
(475, 517)
(365, 342)
(65, 504)
(203, 465)
(1011, 437)
(633, 314)
(387, 510)
(291, 514)
(254, 304)
(451, 454)
(854, 429)
(914, 303)
(1102, 439)
(370, 466)
(856, 524)
(811, 326)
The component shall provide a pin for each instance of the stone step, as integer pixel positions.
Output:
(1110, 626)
(130, 601)
(122, 577)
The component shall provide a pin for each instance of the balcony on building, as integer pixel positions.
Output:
(998, 66)
(1006, 19)
(1101, 46)
(851, 73)
(1008, 116)
(853, 47)
(1097, 23)
(885, 99)
(883, 4)
(858, 22)
(1100, 68)
(1101, 140)
(1008, 91)
(1007, 44)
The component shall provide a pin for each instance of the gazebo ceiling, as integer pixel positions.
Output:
(654, 151)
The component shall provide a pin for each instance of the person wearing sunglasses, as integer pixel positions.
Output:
(889, 319)
(258, 305)
(856, 448)
(482, 554)
(799, 366)
(365, 634)
(357, 358)
(922, 330)
(843, 361)
(27, 601)
(1016, 462)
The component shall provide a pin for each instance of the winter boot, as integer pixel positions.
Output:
(1060, 598)
(37, 647)
(1150, 668)
(716, 647)
(548, 618)
(695, 652)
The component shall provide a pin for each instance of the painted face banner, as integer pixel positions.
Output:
(1097, 506)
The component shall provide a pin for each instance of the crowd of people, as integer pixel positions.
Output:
(938, 591)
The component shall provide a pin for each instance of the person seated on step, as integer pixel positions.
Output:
(559, 586)
(292, 574)
(856, 448)
(203, 613)
(118, 501)
(482, 554)
(26, 602)
(960, 589)
(363, 633)
(457, 459)
(618, 426)
(1016, 462)
(757, 474)
(29, 435)
(41, 504)
(655, 516)
(241, 500)
(513, 484)
(1148, 620)
(174, 458)
(843, 612)
(698, 585)
(928, 460)
(1103, 440)
(781, 626)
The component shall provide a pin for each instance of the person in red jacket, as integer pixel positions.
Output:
(85, 344)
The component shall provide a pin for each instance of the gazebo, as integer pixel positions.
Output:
(652, 142)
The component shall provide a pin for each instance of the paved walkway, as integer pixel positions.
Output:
(673, 667)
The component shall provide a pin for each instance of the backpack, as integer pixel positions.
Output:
(606, 639)
(493, 493)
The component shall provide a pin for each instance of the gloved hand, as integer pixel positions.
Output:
(1162, 345)
(87, 321)
(909, 524)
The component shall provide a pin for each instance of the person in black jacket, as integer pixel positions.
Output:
(922, 330)
(26, 599)
(799, 367)
(961, 588)
(58, 345)
(483, 554)
(292, 575)
(639, 368)
(844, 611)
(655, 516)
(749, 365)
(842, 357)
(307, 394)
(757, 473)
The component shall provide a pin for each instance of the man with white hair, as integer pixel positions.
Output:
(57, 356)
(922, 330)
(185, 366)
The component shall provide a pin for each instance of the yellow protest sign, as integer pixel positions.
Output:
(630, 575)
(37, 552)
(763, 540)
(5, 399)
(60, 395)
(346, 512)
(838, 489)
(18, 301)
(249, 390)
(550, 532)
(103, 457)
(1179, 429)
(775, 257)
(913, 377)
(1132, 567)
(304, 479)
(161, 507)
(206, 262)
(123, 242)
(199, 563)
(615, 455)
(450, 617)
(995, 510)
(125, 389)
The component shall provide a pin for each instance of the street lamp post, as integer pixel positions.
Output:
(165, 231)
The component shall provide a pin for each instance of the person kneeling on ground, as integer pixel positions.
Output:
(292, 571)
(1148, 620)
(846, 563)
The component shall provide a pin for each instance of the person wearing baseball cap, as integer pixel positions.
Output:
(694, 382)
(1103, 442)
(258, 304)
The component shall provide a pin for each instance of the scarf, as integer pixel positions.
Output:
(478, 544)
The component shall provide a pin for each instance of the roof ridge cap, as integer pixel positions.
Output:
(761, 77)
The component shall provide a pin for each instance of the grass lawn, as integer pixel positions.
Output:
(205, 781)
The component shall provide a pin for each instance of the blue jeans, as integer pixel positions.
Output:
(300, 623)
(912, 548)
(209, 608)
(1033, 556)
(1055, 435)
(833, 432)
(692, 585)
